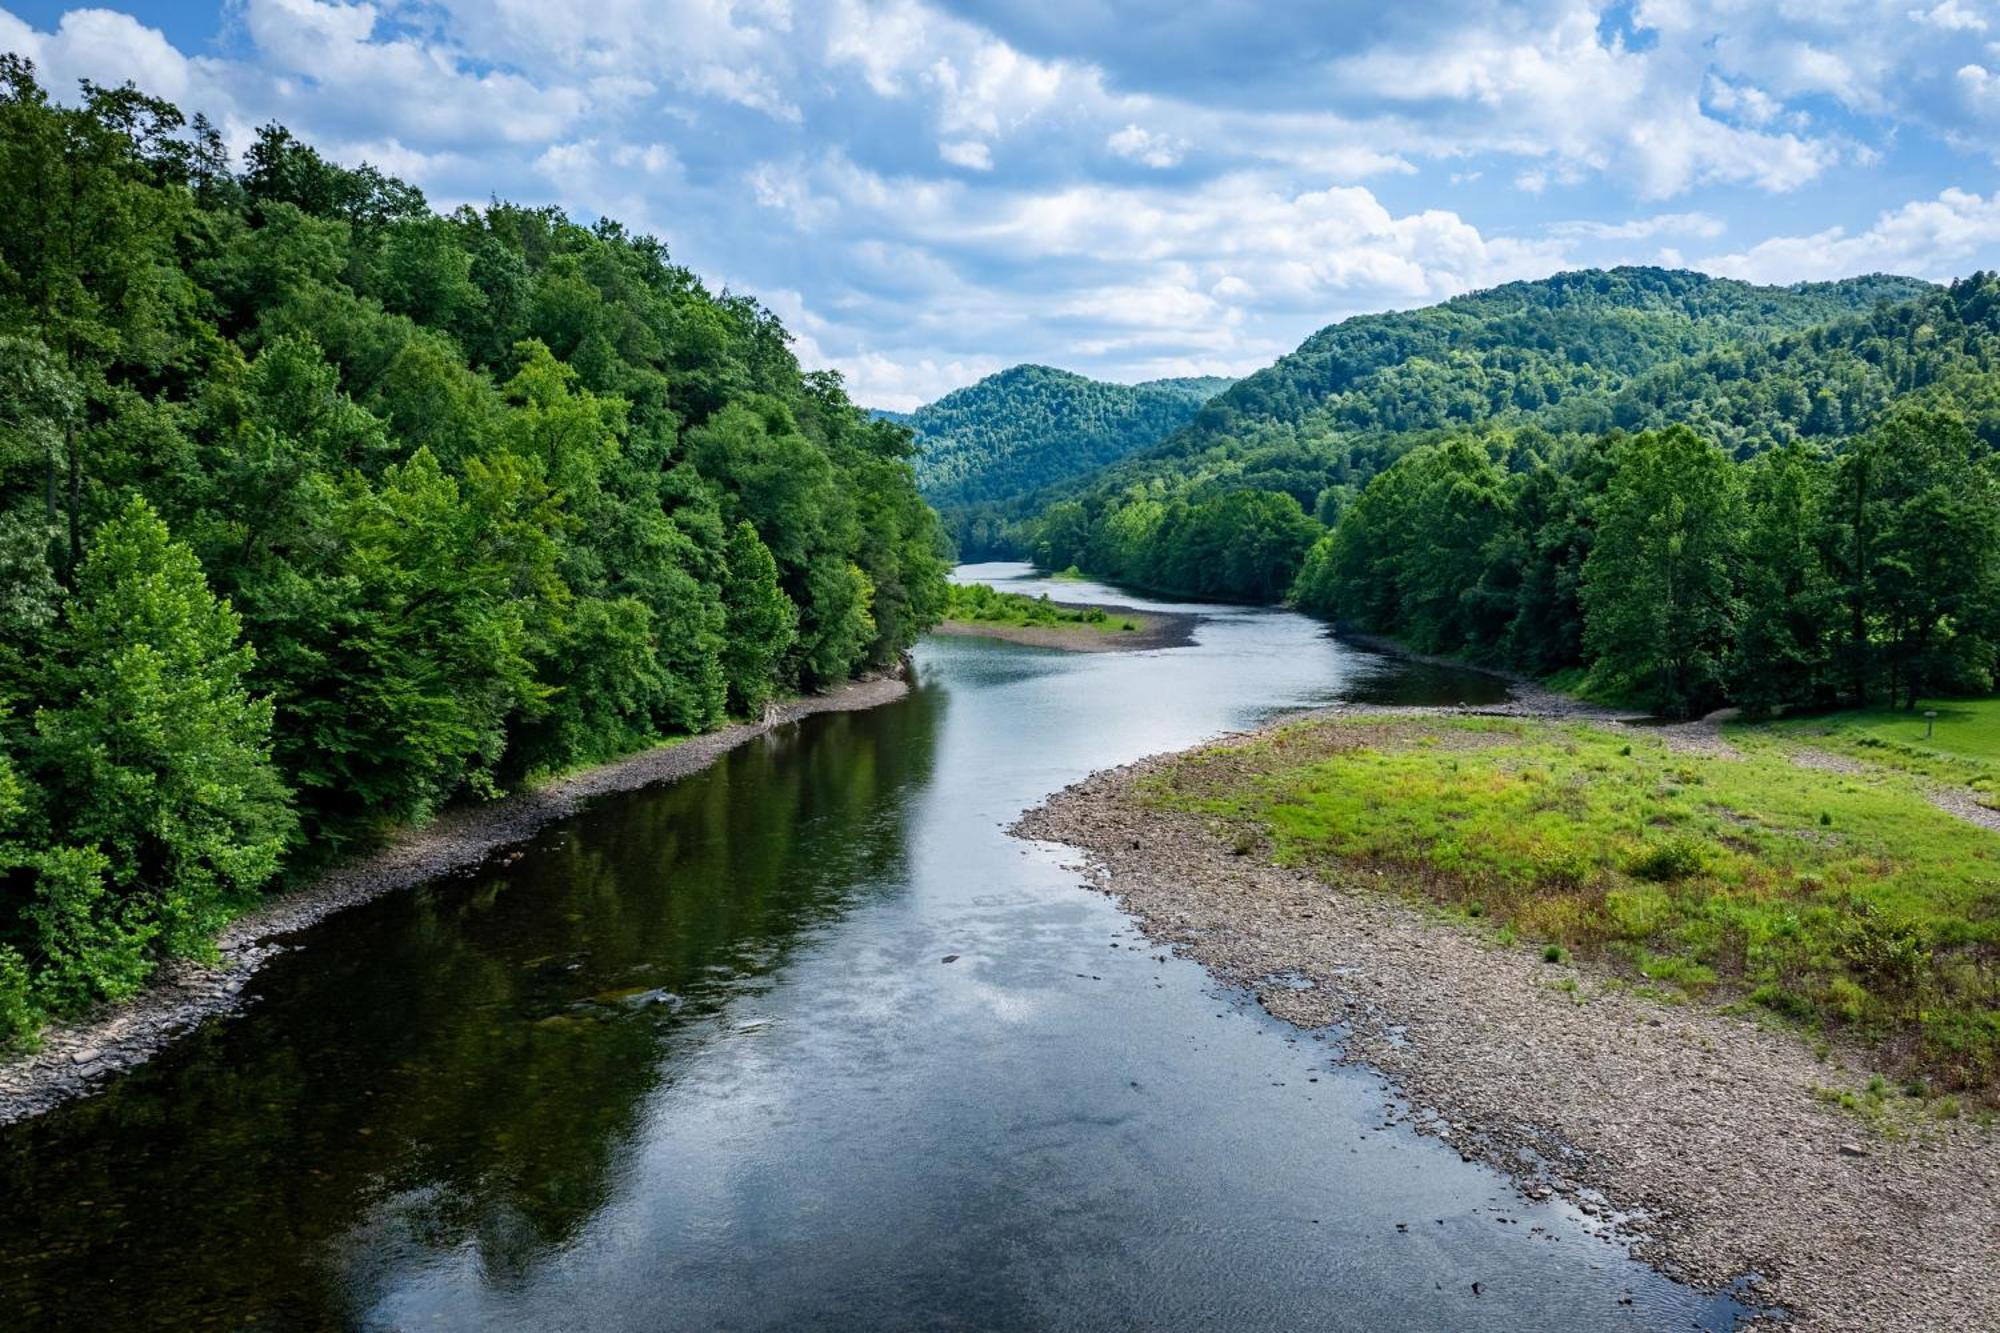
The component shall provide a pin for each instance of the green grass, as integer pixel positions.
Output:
(1071, 575)
(979, 603)
(1963, 747)
(1837, 900)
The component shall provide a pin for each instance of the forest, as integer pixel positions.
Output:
(1028, 428)
(1655, 484)
(1574, 355)
(1655, 568)
(320, 510)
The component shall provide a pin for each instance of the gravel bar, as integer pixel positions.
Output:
(1701, 1139)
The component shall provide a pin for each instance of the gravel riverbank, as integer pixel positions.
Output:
(1703, 1139)
(76, 1057)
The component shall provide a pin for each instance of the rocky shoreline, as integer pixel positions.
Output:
(1707, 1142)
(77, 1057)
(1157, 629)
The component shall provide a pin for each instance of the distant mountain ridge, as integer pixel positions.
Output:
(1532, 376)
(1576, 352)
(1030, 426)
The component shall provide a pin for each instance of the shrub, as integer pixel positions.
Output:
(1885, 954)
(1564, 868)
(1676, 858)
(19, 1015)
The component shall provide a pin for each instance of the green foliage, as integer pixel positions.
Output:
(1668, 860)
(1409, 554)
(1537, 367)
(1808, 510)
(1658, 602)
(762, 622)
(320, 511)
(981, 604)
(1025, 428)
(1654, 569)
(1241, 545)
(162, 806)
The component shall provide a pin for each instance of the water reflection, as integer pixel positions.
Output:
(456, 1070)
(698, 1060)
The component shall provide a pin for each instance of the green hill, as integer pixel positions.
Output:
(1576, 354)
(321, 510)
(1025, 428)
(1557, 352)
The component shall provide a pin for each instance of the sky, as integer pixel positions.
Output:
(927, 191)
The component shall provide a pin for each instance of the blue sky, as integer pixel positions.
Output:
(929, 190)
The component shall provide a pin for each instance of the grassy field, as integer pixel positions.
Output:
(1839, 900)
(980, 604)
(1962, 747)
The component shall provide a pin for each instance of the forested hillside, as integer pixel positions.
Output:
(1575, 354)
(319, 510)
(986, 446)
(1775, 522)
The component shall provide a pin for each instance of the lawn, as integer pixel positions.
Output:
(1963, 744)
(1842, 900)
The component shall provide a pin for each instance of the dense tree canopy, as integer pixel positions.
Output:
(1675, 576)
(1574, 356)
(1689, 490)
(319, 510)
(986, 448)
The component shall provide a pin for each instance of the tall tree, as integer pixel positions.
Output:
(1790, 628)
(162, 804)
(1658, 593)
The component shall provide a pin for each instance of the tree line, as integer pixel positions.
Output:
(1656, 567)
(1574, 356)
(1320, 480)
(319, 510)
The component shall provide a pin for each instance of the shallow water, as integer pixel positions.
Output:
(696, 1061)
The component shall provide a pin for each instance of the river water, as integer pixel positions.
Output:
(697, 1061)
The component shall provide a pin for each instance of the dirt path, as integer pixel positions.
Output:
(1711, 1134)
(76, 1057)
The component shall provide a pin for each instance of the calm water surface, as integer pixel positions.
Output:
(694, 1062)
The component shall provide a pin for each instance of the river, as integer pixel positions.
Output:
(804, 1041)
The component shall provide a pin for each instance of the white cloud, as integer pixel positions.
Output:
(1703, 225)
(1142, 145)
(1951, 16)
(950, 200)
(109, 48)
(968, 153)
(1928, 238)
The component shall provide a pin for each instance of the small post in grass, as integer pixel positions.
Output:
(1930, 721)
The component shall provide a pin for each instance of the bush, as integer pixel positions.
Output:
(1676, 858)
(19, 1015)
(1887, 955)
(1564, 868)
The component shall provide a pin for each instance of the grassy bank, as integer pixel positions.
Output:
(979, 604)
(1842, 900)
(1961, 745)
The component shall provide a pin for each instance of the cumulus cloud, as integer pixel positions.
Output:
(968, 153)
(929, 189)
(1142, 145)
(1951, 16)
(1933, 238)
